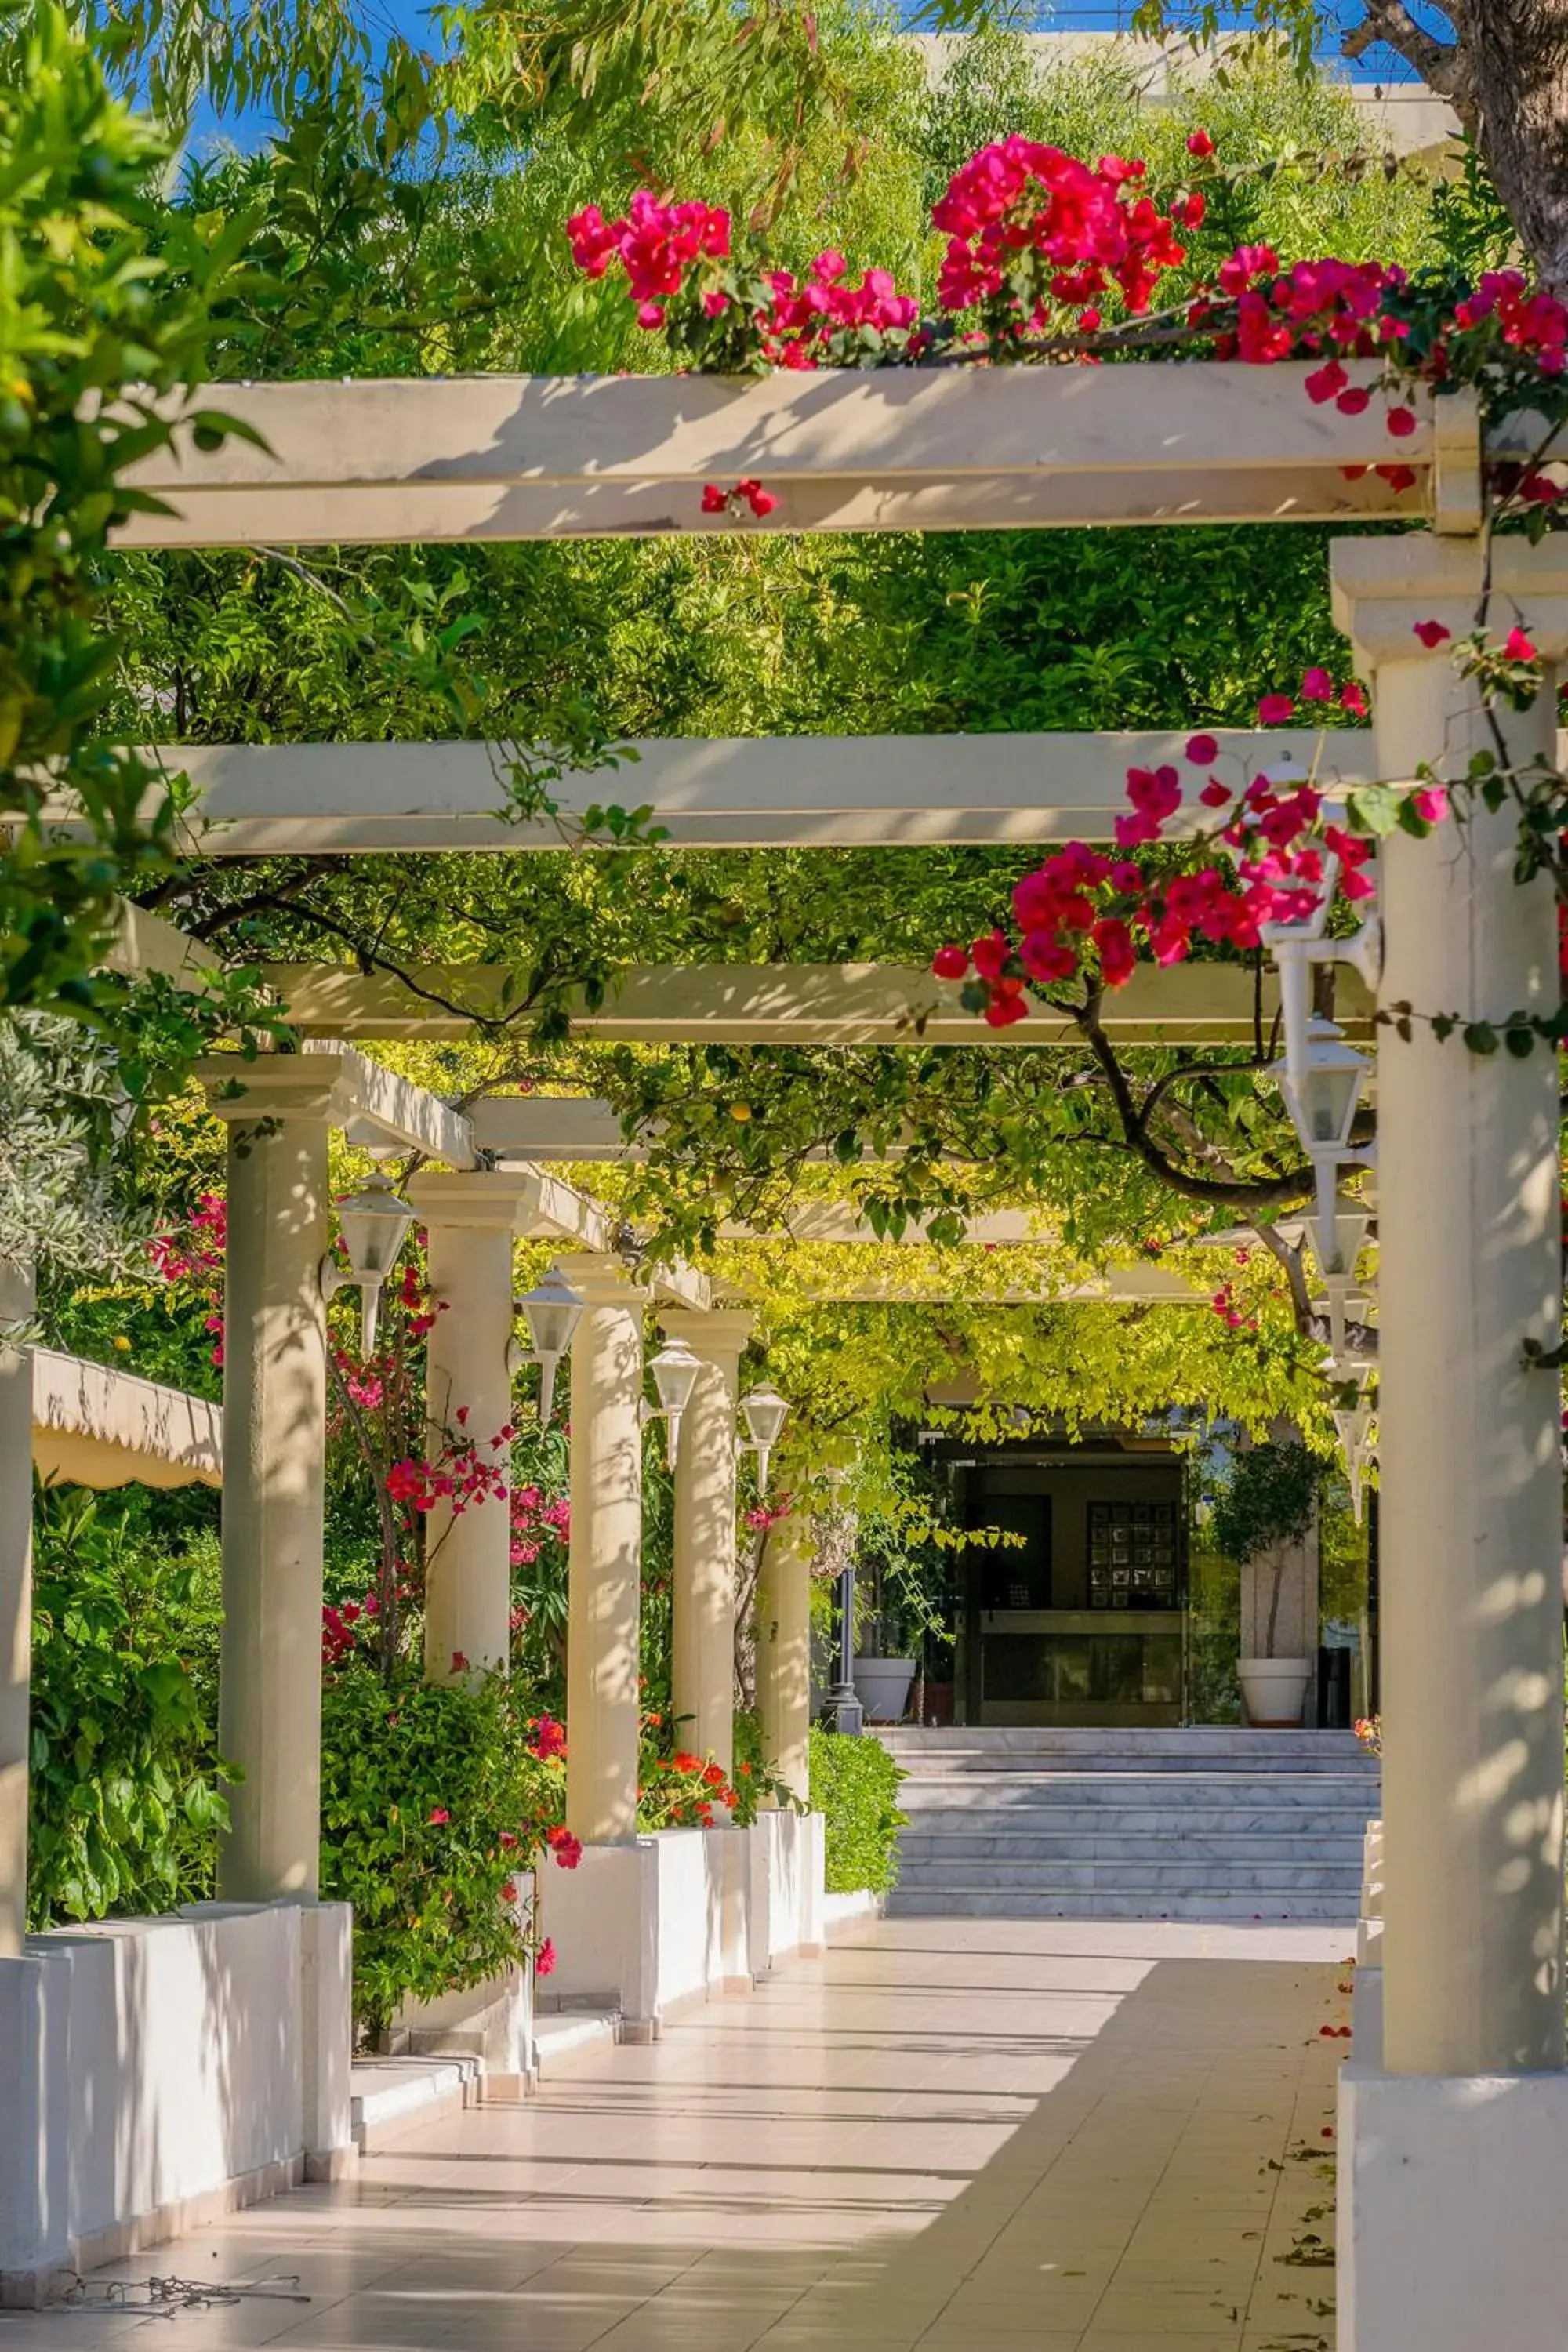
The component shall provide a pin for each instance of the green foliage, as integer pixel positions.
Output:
(127, 1792)
(99, 335)
(1269, 1500)
(854, 1786)
(432, 1910)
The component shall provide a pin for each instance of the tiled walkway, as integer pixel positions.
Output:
(969, 2136)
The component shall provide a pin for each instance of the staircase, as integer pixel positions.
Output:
(1206, 1823)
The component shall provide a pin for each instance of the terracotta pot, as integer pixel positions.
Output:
(1273, 1691)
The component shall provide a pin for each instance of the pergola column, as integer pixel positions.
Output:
(15, 1602)
(1469, 1270)
(604, 1569)
(274, 1434)
(469, 1224)
(782, 1621)
(703, 1631)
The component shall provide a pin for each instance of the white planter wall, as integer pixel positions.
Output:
(153, 2072)
(683, 1915)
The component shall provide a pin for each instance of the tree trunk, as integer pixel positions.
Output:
(1512, 97)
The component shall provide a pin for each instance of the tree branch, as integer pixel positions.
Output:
(1228, 1192)
(1441, 65)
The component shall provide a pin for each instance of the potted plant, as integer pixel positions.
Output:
(1267, 1508)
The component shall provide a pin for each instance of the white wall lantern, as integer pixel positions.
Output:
(1337, 1246)
(551, 1311)
(374, 1225)
(766, 1413)
(675, 1373)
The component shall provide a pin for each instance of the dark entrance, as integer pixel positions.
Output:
(1081, 1620)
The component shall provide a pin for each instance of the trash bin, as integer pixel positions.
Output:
(1334, 1689)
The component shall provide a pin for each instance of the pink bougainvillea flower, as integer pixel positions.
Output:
(545, 1960)
(1353, 401)
(1398, 478)
(989, 955)
(567, 1850)
(1214, 794)
(1116, 957)
(439, 1816)
(1430, 803)
(1275, 710)
(1199, 143)
(1519, 647)
(549, 1738)
(1353, 698)
(1200, 749)
(509, 1890)
(1325, 382)
(508, 1841)
(950, 962)
(1431, 633)
(1400, 423)
(1316, 685)
(714, 500)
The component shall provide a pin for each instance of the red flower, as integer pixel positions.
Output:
(990, 955)
(950, 962)
(1199, 143)
(549, 1738)
(1431, 633)
(1352, 699)
(1519, 647)
(714, 500)
(507, 1840)
(1200, 749)
(714, 1776)
(567, 1849)
(1317, 686)
(438, 1814)
(1214, 794)
(1275, 710)
(1402, 423)
(509, 1891)
(545, 1960)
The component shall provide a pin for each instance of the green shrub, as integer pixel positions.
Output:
(855, 1787)
(126, 1791)
(434, 1800)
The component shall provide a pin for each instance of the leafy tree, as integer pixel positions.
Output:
(1503, 70)
(100, 338)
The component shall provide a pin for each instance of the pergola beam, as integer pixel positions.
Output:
(768, 791)
(788, 1004)
(514, 458)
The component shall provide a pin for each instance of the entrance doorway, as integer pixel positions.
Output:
(1078, 1616)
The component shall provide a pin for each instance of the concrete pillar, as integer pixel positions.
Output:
(604, 1569)
(782, 1610)
(15, 1602)
(703, 1631)
(1469, 1268)
(274, 1428)
(469, 1222)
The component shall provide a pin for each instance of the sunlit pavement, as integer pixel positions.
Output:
(973, 2136)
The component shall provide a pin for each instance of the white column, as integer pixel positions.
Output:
(703, 1597)
(783, 1618)
(604, 1569)
(16, 1603)
(274, 1429)
(469, 1221)
(1469, 1268)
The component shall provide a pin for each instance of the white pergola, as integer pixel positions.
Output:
(1466, 2082)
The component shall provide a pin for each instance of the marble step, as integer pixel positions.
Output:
(1043, 1877)
(917, 1846)
(1186, 1801)
(1335, 1909)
